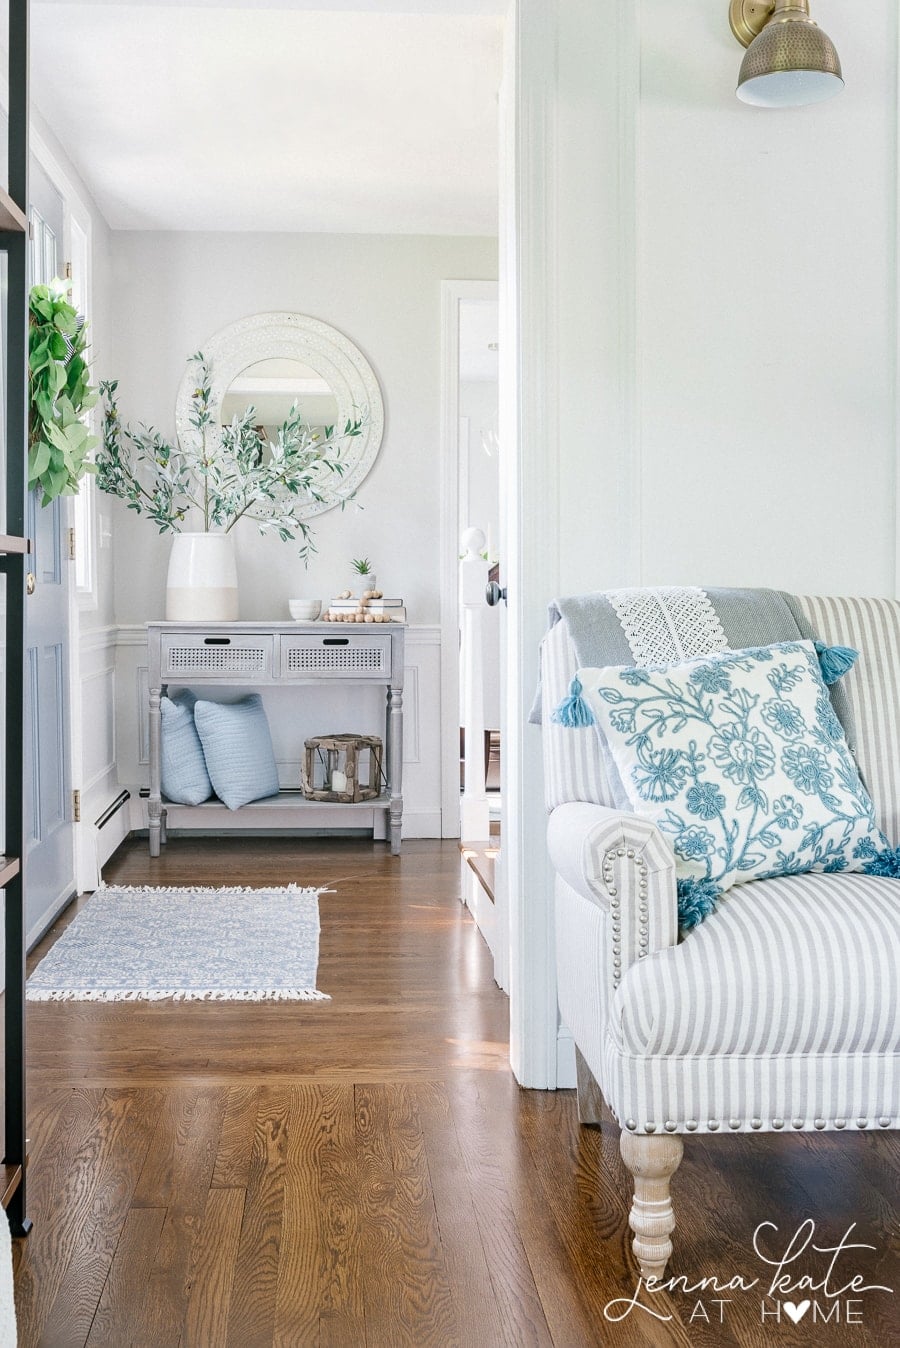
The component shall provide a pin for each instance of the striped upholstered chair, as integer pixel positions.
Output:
(781, 1011)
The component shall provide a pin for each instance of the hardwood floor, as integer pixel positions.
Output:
(365, 1171)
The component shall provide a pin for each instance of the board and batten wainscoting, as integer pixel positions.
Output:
(293, 718)
(100, 786)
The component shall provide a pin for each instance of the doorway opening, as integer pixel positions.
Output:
(474, 631)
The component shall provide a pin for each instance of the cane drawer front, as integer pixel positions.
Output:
(343, 656)
(211, 656)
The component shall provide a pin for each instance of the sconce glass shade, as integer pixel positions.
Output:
(791, 63)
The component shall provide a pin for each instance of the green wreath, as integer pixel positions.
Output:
(60, 393)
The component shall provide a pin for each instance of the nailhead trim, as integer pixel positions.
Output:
(798, 1123)
(713, 1125)
(734, 1123)
(610, 859)
(840, 1123)
(756, 1123)
(884, 1122)
(862, 1123)
(670, 1125)
(630, 1125)
(691, 1125)
(650, 1127)
(819, 1123)
(778, 1123)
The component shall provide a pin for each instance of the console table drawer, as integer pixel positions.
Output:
(336, 657)
(194, 655)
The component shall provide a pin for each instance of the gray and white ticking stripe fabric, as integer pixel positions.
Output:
(573, 766)
(750, 1094)
(707, 1087)
(807, 964)
(872, 689)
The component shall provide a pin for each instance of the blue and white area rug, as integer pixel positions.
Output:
(226, 945)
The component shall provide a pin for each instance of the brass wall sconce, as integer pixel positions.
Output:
(789, 60)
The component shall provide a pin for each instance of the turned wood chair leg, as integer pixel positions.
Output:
(652, 1161)
(590, 1098)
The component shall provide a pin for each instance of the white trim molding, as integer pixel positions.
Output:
(530, 364)
(453, 293)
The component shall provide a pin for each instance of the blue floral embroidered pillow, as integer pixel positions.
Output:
(741, 762)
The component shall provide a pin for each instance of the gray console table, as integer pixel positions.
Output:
(255, 656)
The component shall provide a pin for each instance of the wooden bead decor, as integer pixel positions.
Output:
(340, 754)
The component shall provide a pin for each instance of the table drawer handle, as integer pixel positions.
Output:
(217, 641)
(335, 641)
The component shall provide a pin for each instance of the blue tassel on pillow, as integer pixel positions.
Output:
(696, 900)
(835, 661)
(573, 711)
(885, 863)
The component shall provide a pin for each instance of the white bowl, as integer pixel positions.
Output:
(305, 610)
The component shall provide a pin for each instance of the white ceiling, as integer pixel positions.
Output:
(287, 116)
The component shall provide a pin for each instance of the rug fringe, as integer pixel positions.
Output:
(177, 995)
(212, 889)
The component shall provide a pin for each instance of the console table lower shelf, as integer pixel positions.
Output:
(235, 657)
(288, 810)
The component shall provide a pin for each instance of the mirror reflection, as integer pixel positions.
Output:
(273, 386)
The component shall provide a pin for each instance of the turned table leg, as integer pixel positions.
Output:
(154, 804)
(395, 764)
(652, 1161)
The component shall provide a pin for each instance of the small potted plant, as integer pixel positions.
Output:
(362, 577)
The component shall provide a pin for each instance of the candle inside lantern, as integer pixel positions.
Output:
(338, 781)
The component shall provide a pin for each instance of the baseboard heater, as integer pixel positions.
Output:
(121, 799)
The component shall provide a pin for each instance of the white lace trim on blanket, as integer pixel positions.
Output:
(668, 624)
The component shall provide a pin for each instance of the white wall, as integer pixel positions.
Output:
(727, 293)
(766, 312)
(171, 292)
(479, 503)
(708, 308)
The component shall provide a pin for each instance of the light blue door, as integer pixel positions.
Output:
(50, 830)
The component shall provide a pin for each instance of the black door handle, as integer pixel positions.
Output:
(494, 593)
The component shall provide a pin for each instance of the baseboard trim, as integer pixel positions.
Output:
(566, 1072)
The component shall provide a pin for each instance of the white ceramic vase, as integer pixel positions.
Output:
(358, 584)
(201, 585)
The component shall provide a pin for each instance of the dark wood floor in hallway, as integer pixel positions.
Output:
(365, 1171)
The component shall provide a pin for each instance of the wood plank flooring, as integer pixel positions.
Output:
(365, 1173)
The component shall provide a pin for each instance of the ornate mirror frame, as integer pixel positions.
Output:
(313, 343)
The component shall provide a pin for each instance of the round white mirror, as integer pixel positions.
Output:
(276, 360)
(275, 387)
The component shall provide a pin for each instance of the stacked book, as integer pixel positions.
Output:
(362, 610)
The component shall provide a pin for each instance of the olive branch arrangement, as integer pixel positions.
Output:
(239, 474)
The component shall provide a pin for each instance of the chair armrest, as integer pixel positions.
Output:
(622, 863)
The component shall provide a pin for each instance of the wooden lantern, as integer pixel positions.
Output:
(331, 768)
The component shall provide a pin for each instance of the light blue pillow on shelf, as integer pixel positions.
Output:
(185, 779)
(238, 750)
